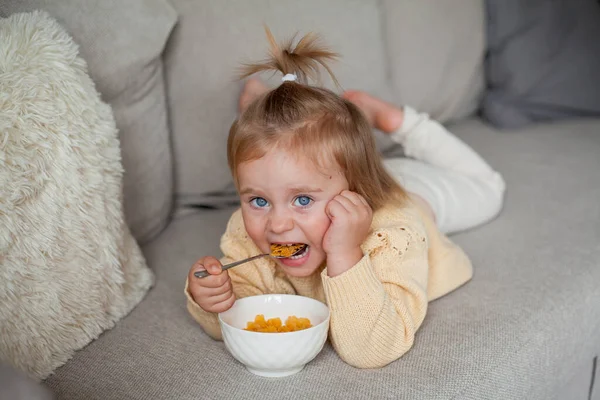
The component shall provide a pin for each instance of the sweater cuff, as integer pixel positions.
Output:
(359, 283)
(208, 321)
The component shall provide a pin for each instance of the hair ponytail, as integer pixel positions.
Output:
(304, 59)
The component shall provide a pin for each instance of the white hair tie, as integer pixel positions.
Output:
(289, 77)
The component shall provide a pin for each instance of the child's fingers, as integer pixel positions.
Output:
(220, 298)
(212, 281)
(360, 204)
(210, 291)
(335, 208)
(205, 300)
(224, 305)
(217, 277)
(348, 206)
(208, 295)
(352, 196)
(210, 264)
(366, 204)
(363, 201)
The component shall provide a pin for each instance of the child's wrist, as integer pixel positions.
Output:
(339, 263)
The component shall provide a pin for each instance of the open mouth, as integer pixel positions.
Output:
(301, 252)
(291, 250)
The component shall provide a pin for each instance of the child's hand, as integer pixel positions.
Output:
(351, 218)
(213, 293)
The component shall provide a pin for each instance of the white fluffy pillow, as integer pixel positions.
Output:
(69, 267)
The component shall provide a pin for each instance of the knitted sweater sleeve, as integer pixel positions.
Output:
(247, 279)
(378, 305)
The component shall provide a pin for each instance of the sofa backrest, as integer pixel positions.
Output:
(425, 53)
(436, 51)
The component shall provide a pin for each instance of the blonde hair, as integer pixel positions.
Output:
(311, 121)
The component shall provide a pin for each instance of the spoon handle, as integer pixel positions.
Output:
(202, 274)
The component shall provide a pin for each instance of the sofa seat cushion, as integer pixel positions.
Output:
(518, 330)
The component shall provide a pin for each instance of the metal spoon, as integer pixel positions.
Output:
(202, 274)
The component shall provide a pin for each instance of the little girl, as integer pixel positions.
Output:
(307, 171)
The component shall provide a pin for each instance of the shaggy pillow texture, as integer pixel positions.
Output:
(69, 267)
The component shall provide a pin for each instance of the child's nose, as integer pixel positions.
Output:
(281, 222)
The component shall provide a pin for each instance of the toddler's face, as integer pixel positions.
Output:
(283, 200)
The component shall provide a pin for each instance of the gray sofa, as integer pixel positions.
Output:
(526, 327)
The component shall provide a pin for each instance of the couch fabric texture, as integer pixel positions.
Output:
(70, 267)
(515, 331)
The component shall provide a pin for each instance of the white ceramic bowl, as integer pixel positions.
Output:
(274, 354)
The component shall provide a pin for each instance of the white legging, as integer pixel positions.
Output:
(460, 187)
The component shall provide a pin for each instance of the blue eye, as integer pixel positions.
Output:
(259, 202)
(302, 201)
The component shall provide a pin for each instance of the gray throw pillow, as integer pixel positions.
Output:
(543, 61)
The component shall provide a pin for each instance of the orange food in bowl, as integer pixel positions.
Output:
(274, 325)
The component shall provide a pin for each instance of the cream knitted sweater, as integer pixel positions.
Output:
(376, 306)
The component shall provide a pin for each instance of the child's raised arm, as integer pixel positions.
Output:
(378, 305)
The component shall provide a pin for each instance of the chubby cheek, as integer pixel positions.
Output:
(316, 228)
(256, 230)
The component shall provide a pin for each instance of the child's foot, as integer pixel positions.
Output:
(383, 116)
(252, 90)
